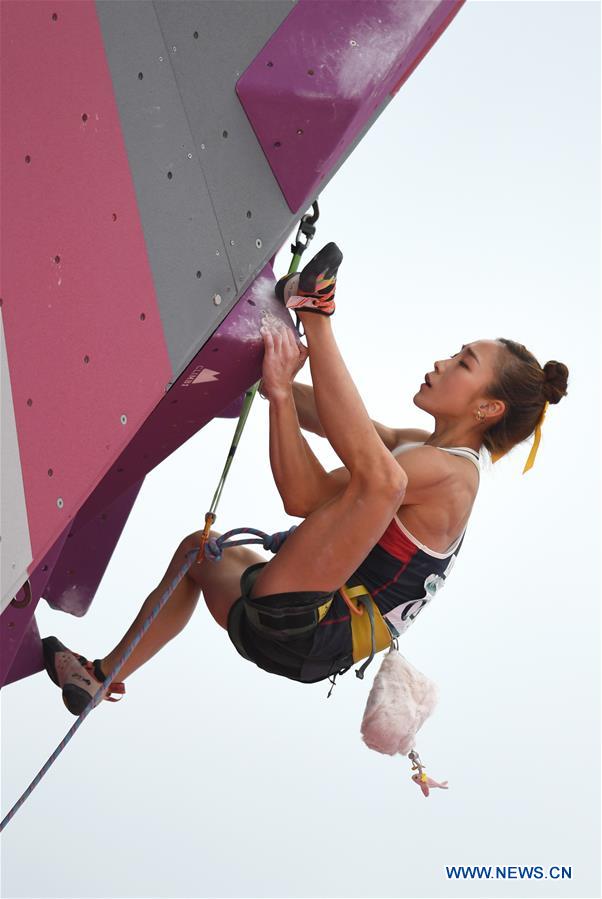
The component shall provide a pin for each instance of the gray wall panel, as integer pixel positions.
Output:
(238, 175)
(173, 119)
(181, 232)
(15, 547)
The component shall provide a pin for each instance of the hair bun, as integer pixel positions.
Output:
(555, 381)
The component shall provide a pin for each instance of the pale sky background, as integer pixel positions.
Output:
(476, 199)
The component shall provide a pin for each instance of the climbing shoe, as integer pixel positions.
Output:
(78, 678)
(312, 289)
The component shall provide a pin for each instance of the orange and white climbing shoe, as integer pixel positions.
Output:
(78, 678)
(312, 290)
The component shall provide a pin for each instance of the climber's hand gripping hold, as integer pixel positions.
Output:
(284, 356)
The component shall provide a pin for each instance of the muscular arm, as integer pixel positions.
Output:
(298, 474)
(303, 396)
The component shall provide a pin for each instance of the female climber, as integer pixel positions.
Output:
(388, 524)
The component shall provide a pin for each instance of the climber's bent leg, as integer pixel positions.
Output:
(344, 418)
(219, 582)
(333, 541)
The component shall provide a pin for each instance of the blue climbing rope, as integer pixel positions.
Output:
(271, 542)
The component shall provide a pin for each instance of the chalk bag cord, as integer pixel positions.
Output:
(209, 548)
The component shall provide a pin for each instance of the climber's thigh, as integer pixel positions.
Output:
(326, 548)
(220, 581)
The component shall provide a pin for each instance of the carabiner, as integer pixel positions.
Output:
(307, 226)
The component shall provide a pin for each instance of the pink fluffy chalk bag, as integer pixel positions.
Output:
(400, 701)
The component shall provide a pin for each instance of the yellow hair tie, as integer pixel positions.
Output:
(535, 447)
(495, 457)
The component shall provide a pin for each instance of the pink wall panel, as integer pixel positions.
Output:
(84, 338)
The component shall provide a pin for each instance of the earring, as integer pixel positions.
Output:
(480, 415)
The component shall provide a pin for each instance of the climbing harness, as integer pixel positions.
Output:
(368, 636)
(298, 620)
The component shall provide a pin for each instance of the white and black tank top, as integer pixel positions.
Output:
(402, 573)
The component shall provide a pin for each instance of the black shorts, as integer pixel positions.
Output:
(288, 656)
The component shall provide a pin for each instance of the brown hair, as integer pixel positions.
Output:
(524, 386)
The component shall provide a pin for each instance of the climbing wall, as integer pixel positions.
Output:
(155, 157)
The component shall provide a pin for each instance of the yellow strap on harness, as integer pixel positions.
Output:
(322, 610)
(360, 624)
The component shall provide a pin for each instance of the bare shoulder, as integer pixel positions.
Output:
(430, 474)
(439, 496)
(394, 437)
(409, 435)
